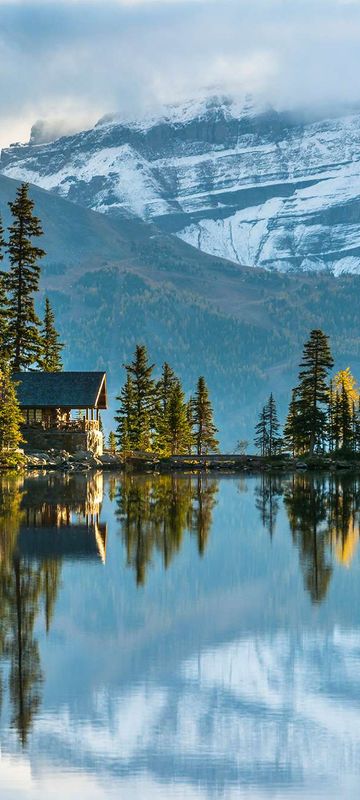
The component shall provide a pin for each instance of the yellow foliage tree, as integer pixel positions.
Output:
(345, 380)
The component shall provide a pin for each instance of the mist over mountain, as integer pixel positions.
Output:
(235, 179)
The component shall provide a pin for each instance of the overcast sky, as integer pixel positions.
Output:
(71, 61)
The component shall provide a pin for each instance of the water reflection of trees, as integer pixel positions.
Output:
(267, 500)
(156, 513)
(308, 503)
(323, 513)
(30, 578)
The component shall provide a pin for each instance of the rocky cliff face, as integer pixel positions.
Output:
(254, 186)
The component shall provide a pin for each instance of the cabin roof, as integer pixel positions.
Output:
(69, 390)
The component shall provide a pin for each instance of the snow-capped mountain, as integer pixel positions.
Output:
(253, 185)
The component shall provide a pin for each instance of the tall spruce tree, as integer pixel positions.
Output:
(10, 417)
(267, 439)
(273, 427)
(292, 429)
(164, 388)
(178, 429)
(261, 433)
(4, 319)
(50, 359)
(144, 409)
(22, 281)
(112, 442)
(204, 428)
(4, 303)
(125, 417)
(312, 391)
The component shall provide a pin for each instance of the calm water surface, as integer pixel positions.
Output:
(179, 637)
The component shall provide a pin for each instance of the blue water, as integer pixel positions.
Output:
(179, 637)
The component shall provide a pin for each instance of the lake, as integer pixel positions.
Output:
(179, 637)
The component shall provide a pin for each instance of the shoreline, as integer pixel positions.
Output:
(228, 464)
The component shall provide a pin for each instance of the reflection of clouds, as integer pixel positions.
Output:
(261, 712)
(119, 732)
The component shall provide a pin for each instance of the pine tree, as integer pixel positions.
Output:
(312, 391)
(144, 409)
(4, 303)
(261, 433)
(50, 359)
(331, 417)
(205, 430)
(4, 319)
(164, 388)
(178, 430)
(273, 427)
(22, 281)
(10, 417)
(112, 442)
(292, 433)
(125, 417)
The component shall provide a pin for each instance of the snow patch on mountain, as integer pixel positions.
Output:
(126, 177)
(252, 185)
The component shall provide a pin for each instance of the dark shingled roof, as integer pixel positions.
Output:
(61, 389)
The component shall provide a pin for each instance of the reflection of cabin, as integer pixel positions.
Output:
(68, 542)
(49, 402)
(60, 518)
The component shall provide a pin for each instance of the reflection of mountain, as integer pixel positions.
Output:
(244, 713)
(156, 512)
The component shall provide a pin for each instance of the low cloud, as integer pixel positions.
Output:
(69, 62)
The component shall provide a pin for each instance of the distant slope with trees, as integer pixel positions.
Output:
(115, 282)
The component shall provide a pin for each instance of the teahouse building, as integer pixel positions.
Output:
(61, 410)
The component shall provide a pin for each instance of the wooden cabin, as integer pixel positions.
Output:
(61, 410)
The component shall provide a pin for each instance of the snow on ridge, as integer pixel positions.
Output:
(183, 113)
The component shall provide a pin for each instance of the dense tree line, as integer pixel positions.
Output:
(154, 416)
(324, 411)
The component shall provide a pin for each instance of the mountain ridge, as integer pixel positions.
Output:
(276, 190)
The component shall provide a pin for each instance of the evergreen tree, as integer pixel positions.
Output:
(205, 430)
(178, 430)
(312, 391)
(356, 423)
(125, 417)
(273, 427)
(4, 305)
(4, 318)
(10, 417)
(331, 417)
(267, 438)
(292, 433)
(144, 407)
(261, 433)
(22, 281)
(164, 388)
(112, 442)
(50, 360)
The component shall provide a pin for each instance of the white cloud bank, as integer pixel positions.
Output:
(78, 59)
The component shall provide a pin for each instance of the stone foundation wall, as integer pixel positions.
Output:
(38, 440)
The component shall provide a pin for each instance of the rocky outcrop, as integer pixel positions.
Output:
(81, 461)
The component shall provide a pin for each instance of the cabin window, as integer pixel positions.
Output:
(34, 415)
